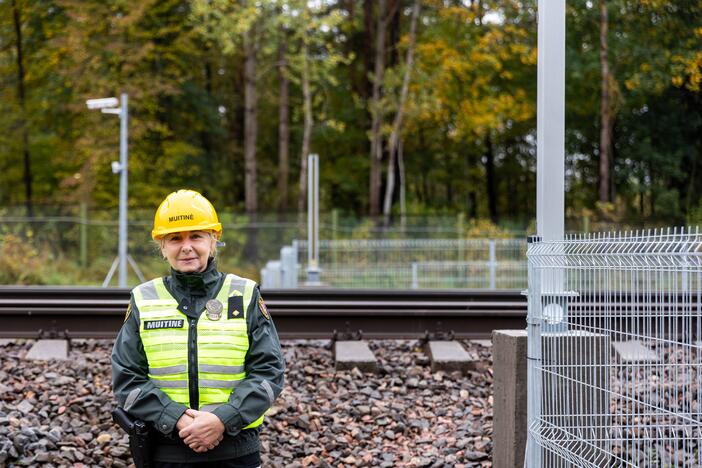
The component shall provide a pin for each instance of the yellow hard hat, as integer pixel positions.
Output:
(185, 210)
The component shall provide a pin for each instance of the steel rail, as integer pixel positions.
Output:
(317, 313)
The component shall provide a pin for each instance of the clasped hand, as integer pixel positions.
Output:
(200, 430)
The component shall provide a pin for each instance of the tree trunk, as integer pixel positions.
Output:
(368, 47)
(473, 202)
(23, 108)
(490, 176)
(250, 124)
(397, 123)
(205, 133)
(307, 129)
(394, 14)
(376, 153)
(403, 186)
(283, 123)
(605, 108)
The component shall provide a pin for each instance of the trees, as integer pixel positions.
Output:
(394, 139)
(606, 105)
(231, 97)
(376, 147)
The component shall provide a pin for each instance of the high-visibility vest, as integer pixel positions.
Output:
(222, 342)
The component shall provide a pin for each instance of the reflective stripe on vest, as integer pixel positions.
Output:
(221, 343)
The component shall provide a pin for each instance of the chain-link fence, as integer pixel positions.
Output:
(615, 358)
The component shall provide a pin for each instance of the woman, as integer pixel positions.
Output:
(198, 356)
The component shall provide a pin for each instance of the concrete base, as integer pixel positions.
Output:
(350, 354)
(509, 353)
(449, 356)
(46, 350)
(633, 351)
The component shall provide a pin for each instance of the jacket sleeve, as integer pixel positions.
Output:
(130, 382)
(265, 368)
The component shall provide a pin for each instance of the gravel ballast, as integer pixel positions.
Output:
(58, 413)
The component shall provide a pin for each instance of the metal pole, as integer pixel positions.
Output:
(550, 188)
(316, 212)
(123, 158)
(492, 263)
(533, 456)
(550, 122)
(83, 234)
(313, 219)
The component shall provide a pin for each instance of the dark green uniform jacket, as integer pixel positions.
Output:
(143, 400)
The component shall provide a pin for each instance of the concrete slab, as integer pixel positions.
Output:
(46, 350)
(350, 354)
(633, 351)
(449, 356)
(509, 363)
(484, 343)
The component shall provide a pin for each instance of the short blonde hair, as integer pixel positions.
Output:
(161, 241)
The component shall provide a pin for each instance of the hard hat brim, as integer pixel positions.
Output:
(216, 227)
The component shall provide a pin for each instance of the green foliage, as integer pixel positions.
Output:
(472, 95)
(694, 217)
(20, 263)
(484, 228)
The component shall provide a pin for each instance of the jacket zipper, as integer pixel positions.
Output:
(192, 364)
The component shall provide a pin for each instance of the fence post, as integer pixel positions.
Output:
(415, 276)
(492, 262)
(335, 226)
(312, 219)
(533, 450)
(83, 234)
(288, 267)
(460, 235)
(294, 262)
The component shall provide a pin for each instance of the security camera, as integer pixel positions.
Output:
(102, 103)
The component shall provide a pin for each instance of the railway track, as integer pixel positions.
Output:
(315, 313)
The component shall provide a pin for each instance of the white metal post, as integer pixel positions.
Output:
(108, 106)
(313, 219)
(492, 263)
(550, 123)
(550, 189)
(123, 158)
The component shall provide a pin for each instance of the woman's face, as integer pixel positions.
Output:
(188, 251)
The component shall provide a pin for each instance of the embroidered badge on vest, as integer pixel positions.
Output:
(214, 309)
(158, 324)
(235, 307)
(262, 307)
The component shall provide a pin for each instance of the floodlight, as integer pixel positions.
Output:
(102, 103)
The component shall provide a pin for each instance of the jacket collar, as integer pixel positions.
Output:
(196, 284)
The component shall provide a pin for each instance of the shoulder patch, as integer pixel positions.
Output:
(129, 311)
(262, 307)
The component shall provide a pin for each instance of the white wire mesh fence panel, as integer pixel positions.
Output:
(470, 275)
(420, 263)
(615, 356)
